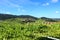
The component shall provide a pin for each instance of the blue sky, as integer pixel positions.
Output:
(37, 8)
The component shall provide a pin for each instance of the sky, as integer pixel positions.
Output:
(37, 8)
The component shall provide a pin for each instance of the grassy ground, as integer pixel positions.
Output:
(15, 30)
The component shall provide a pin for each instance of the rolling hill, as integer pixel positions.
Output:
(9, 16)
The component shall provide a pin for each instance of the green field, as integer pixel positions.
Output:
(17, 30)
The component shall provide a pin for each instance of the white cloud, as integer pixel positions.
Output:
(8, 13)
(29, 2)
(17, 4)
(57, 12)
(54, 1)
(8, 4)
(46, 4)
(23, 10)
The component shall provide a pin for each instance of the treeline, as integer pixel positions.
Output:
(26, 17)
(8, 16)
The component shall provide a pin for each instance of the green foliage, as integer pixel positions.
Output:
(15, 30)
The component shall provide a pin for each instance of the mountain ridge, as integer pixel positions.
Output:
(9, 16)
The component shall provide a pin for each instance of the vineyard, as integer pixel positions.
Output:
(15, 30)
